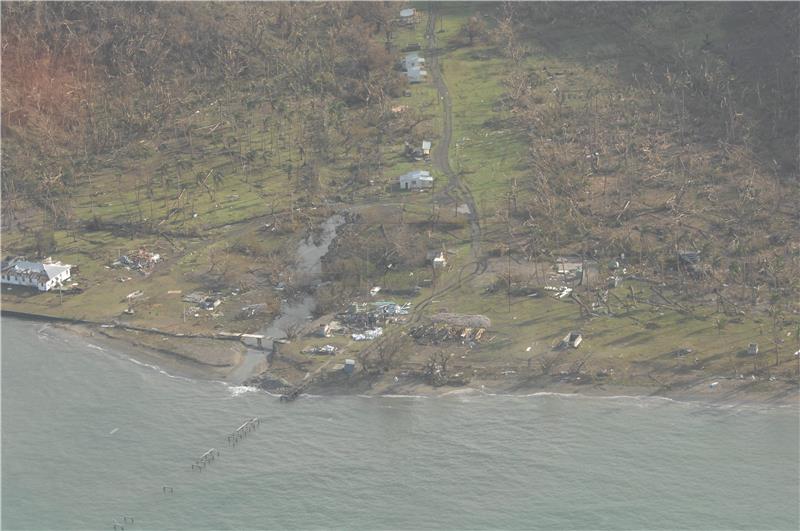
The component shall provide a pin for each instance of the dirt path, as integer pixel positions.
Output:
(455, 188)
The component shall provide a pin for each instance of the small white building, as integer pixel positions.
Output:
(43, 275)
(416, 179)
(408, 15)
(426, 148)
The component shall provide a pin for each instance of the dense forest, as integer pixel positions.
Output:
(693, 144)
(84, 79)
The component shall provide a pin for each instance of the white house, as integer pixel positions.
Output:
(426, 147)
(43, 275)
(416, 179)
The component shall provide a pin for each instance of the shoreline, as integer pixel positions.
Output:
(729, 392)
(170, 362)
(723, 395)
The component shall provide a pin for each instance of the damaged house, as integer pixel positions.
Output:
(43, 275)
(417, 179)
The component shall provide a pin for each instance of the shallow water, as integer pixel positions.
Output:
(297, 311)
(461, 461)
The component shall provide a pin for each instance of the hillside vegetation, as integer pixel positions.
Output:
(633, 134)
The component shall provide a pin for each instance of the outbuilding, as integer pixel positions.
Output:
(408, 15)
(416, 179)
(426, 148)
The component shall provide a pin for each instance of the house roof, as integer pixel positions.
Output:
(413, 61)
(419, 175)
(416, 74)
(46, 269)
(426, 144)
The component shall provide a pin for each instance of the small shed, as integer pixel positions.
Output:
(416, 179)
(437, 258)
(426, 148)
(573, 339)
(752, 349)
(349, 366)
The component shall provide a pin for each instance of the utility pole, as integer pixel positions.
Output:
(508, 291)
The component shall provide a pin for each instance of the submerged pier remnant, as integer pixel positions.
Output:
(242, 431)
(205, 459)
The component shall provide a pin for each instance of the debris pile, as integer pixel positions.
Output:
(201, 301)
(139, 260)
(569, 269)
(325, 350)
(387, 308)
(368, 335)
(210, 303)
(572, 339)
(462, 320)
(435, 333)
(560, 292)
(412, 153)
(252, 310)
(364, 321)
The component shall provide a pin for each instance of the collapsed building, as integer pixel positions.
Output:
(451, 327)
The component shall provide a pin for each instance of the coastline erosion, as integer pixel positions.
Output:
(728, 391)
(241, 362)
(90, 436)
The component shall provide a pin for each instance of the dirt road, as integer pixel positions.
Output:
(455, 188)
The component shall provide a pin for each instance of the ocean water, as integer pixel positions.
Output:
(90, 436)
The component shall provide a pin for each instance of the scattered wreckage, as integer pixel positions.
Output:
(451, 327)
(324, 350)
(436, 333)
(368, 335)
(140, 260)
(363, 319)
